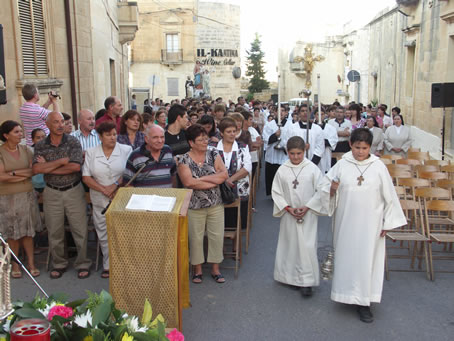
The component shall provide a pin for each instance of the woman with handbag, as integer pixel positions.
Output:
(202, 170)
(237, 160)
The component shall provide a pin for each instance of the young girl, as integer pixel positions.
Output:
(293, 186)
(360, 194)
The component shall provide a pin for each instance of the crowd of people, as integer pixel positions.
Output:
(193, 144)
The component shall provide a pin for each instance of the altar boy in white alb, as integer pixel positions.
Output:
(294, 185)
(359, 193)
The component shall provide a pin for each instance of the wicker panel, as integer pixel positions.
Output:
(143, 255)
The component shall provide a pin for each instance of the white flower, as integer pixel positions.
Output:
(133, 325)
(84, 320)
(46, 310)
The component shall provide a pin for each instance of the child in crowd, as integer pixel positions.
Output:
(38, 134)
(359, 193)
(293, 187)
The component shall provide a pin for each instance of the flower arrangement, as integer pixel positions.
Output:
(92, 319)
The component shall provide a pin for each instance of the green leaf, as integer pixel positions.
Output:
(28, 305)
(156, 321)
(98, 335)
(101, 313)
(147, 313)
(117, 314)
(118, 332)
(58, 297)
(139, 336)
(75, 304)
(27, 313)
(59, 329)
(162, 330)
(80, 333)
(105, 296)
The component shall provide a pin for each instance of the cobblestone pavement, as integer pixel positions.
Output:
(255, 307)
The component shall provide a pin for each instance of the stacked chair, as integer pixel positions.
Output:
(425, 188)
(233, 235)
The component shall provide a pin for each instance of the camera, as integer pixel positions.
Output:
(54, 95)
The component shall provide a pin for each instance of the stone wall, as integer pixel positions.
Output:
(409, 53)
(218, 46)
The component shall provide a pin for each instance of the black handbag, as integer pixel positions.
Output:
(228, 194)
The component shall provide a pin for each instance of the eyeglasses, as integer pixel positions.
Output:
(202, 139)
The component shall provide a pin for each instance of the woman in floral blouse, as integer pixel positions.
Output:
(202, 170)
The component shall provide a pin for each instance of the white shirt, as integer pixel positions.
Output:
(246, 163)
(254, 134)
(105, 171)
(341, 127)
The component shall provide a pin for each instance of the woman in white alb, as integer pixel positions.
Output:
(102, 173)
(397, 138)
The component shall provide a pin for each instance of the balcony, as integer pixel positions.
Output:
(128, 21)
(297, 68)
(172, 57)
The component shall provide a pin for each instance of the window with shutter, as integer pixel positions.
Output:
(172, 87)
(31, 20)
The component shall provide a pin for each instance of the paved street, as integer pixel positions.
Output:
(255, 307)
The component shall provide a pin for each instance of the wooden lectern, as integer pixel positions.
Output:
(148, 255)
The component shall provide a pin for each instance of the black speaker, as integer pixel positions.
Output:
(2, 69)
(442, 95)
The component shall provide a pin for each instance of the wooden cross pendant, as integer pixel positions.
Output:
(295, 183)
(360, 180)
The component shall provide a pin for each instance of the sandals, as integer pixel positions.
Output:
(105, 274)
(218, 278)
(197, 278)
(80, 271)
(35, 272)
(57, 273)
(16, 274)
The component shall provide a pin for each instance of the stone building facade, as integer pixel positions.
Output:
(399, 55)
(36, 42)
(412, 46)
(174, 35)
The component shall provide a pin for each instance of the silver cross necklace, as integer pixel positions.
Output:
(295, 182)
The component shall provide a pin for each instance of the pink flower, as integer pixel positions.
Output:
(60, 310)
(175, 335)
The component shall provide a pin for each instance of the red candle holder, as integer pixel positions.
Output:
(30, 330)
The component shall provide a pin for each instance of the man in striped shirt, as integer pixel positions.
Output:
(87, 135)
(32, 114)
(160, 167)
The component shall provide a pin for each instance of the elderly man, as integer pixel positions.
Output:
(32, 114)
(59, 158)
(160, 167)
(87, 135)
(113, 111)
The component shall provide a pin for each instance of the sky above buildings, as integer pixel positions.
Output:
(282, 23)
